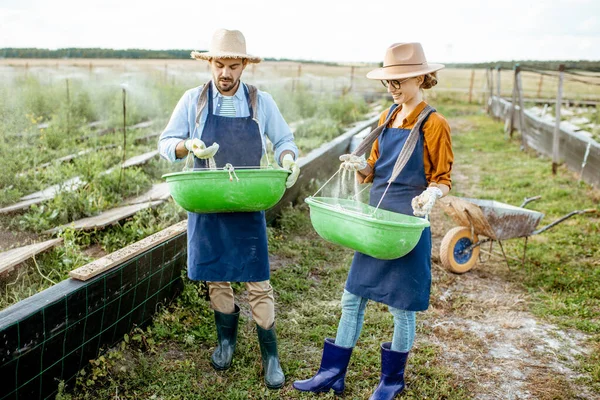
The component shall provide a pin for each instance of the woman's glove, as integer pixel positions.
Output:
(350, 162)
(200, 150)
(289, 163)
(423, 203)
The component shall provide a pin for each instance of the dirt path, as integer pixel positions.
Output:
(492, 341)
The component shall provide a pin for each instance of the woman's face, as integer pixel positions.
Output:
(407, 90)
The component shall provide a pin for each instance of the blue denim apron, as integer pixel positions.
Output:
(405, 282)
(229, 247)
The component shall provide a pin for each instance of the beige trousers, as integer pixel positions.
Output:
(260, 296)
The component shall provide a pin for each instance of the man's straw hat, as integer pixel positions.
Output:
(404, 60)
(226, 44)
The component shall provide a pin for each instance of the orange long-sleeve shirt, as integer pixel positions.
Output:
(437, 145)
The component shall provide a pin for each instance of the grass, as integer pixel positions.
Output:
(171, 357)
(561, 276)
(28, 100)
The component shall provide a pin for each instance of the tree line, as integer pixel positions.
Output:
(586, 65)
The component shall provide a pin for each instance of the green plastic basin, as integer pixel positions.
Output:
(385, 235)
(211, 191)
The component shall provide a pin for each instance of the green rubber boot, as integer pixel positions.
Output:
(227, 329)
(274, 378)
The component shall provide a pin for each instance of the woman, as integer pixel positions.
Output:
(409, 166)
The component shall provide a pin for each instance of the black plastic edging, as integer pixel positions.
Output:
(52, 335)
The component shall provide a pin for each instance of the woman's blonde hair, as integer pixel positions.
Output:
(429, 80)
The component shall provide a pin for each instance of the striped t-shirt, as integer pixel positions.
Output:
(227, 108)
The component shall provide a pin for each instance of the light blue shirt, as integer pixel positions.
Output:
(182, 124)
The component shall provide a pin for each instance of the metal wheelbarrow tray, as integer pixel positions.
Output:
(491, 219)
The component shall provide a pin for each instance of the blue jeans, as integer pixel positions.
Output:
(353, 315)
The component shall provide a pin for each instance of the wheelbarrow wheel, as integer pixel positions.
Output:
(452, 253)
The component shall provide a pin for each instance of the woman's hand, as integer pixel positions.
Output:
(350, 162)
(423, 203)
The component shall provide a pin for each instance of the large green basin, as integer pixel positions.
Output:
(211, 191)
(385, 235)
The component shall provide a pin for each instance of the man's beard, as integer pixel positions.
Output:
(227, 85)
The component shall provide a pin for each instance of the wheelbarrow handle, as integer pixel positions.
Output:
(558, 221)
(529, 200)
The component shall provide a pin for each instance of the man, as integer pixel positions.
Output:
(222, 122)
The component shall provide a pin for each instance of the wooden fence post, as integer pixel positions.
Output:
(556, 138)
(513, 105)
(499, 69)
(519, 83)
(490, 76)
(68, 109)
(351, 78)
(539, 91)
(471, 85)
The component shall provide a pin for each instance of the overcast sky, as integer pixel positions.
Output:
(344, 31)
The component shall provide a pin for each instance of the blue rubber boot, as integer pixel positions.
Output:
(332, 372)
(391, 383)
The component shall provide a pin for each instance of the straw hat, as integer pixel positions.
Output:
(404, 60)
(226, 44)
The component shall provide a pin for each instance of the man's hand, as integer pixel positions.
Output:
(289, 163)
(423, 203)
(200, 150)
(350, 162)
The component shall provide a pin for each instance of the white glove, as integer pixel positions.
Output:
(200, 150)
(350, 162)
(289, 163)
(423, 203)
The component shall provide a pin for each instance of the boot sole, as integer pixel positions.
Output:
(219, 368)
(273, 387)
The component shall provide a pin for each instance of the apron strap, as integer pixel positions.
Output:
(368, 141)
(202, 101)
(411, 142)
(252, 96)
(249, 90)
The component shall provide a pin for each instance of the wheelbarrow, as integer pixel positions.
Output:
(492, 220)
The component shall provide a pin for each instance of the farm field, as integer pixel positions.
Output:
(531, 332)
(528, 332)
(62, 141)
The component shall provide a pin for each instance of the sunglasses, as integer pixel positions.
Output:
(395, 84)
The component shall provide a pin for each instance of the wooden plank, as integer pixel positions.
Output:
(140, 159)
(111, 260)
(10, 258)
(50, 192)
(141, 125)
(159, 191)
(71, 185)
(106, 218)
(147, 137)
(69, 157)
(22, 205)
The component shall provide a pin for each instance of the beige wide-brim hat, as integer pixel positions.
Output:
(404, 60)
(226, 44)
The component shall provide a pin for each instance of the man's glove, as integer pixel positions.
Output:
(423, 203)
(200, 150)
(350, 162)
(289, 163)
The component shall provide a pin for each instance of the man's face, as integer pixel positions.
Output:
(226, 74)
